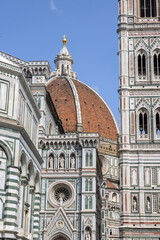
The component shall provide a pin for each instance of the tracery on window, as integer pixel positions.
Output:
(157, 121)
(89, 159)
(143, 123)
(148, 8)
(88, 185)
(156, 63)
(142, 64)
(88, 202)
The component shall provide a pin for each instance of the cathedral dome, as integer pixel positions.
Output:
(79, 106)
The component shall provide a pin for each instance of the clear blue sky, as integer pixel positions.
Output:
(33, 29)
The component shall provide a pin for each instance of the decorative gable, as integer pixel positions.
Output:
(60, 225)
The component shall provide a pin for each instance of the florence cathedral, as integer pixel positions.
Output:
(67, 171)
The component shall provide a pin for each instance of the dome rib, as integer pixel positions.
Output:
(77, 103)
(104, 104)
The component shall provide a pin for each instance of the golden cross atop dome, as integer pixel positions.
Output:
(64, 40)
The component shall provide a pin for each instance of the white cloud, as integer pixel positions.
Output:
(53, 7)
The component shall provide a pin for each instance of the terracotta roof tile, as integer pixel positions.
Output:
(111, 185)
(96, 117)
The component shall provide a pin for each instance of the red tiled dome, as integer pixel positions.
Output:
(95, 114)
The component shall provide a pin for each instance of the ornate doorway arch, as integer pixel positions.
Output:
(60, 237)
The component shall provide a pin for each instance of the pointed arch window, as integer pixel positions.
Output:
(156, 61)
(86, 185)
(86, 202)
(141, 64)
(90, 185)
(158, 123)
(89, 159)
(143, 122)
(148, 8)
(90, 202)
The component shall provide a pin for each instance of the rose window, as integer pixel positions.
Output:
(62, 193)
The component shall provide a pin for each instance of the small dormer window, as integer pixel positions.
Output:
(148, 8)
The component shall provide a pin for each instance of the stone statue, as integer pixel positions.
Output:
(87, 236)
(60, 201)
(134, 204)
(72, 162)
(51, 162)
(61, 162)
(148, 204)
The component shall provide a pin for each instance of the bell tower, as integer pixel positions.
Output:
(139, 108)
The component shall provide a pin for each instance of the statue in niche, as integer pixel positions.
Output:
(51, 161)
(87, 236)
(72, 161)
(148, 204)
(61, 161)
(134, 204)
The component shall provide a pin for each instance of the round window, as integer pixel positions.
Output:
(61, 194)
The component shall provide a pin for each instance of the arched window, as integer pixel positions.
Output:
(90, 185)
(68, 69)
(143, 123)
(86, 202)
(156, 60)
(3, 166)
(158, 123)
(86, 185)
(62, 69)
(90, 159)
(148, 8)
(141, 64)
(90, 202)
(87, 159)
